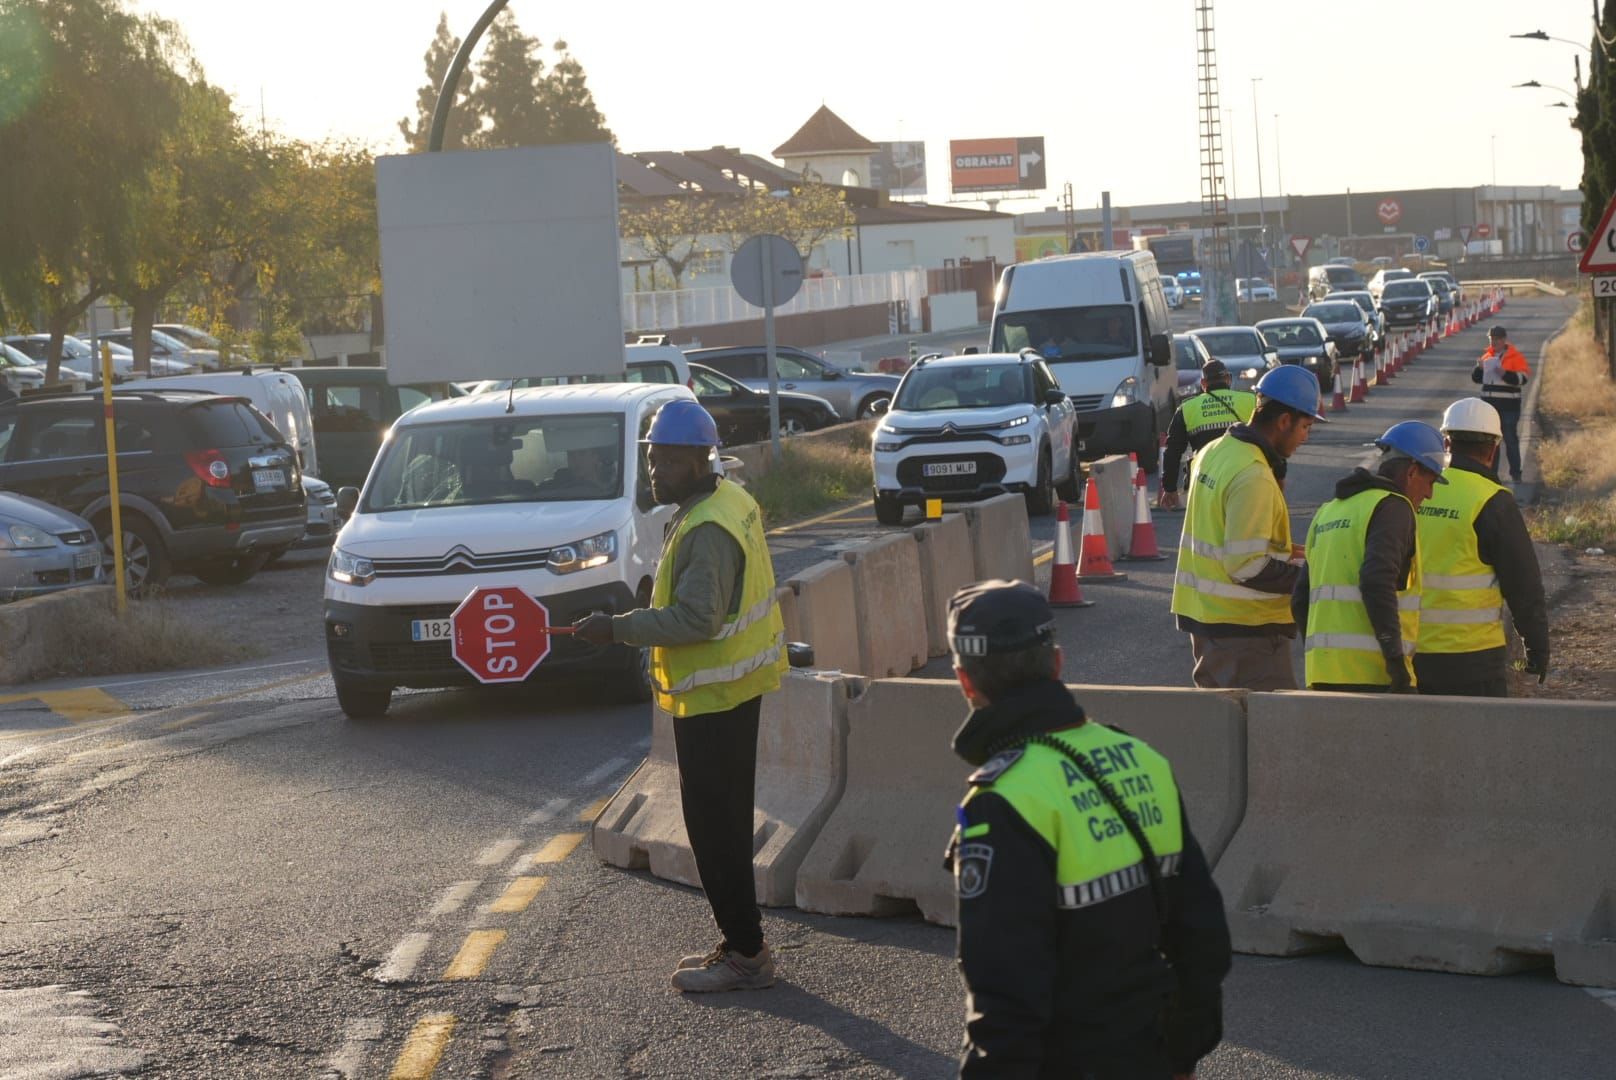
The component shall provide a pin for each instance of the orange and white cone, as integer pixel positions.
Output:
(1383, 370)
(1338, 400)
(1143, 547)
(1360, 389)
(1094, 559)
(1064, 590)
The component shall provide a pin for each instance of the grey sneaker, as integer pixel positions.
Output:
(696, 960)
(724, 970)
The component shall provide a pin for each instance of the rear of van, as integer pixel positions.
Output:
(1101, 321)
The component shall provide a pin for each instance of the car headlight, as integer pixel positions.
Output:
(1126, 393)
(25, 537)
(1250, 373)
(1017, 422)
(888, 447)
(584, 554)
(1016, 440)
(350, 569)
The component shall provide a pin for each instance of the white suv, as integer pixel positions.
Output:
(967, 427)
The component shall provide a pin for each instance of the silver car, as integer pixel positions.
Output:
(44, 549)
(852, 394)
(1242, 349)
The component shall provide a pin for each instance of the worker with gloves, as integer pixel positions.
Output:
(1358, 594)
(1503, 373)
(1198, 421)
(1476, 556)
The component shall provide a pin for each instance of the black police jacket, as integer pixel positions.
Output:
(1057, 992)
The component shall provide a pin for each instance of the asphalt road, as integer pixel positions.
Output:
(216, 875)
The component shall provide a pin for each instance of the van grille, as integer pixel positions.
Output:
(1087, 402)
(461, 561)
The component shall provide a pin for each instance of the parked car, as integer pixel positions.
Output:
(1188, 356)
(1386, 275)
(43, 549)
(1303, 341)
(86, 360)
(742, 413)
(1407, 302)
(352, 409)
(206, 484)
(31, 349)
(1254, 289)
(1444, 294)
(1172, 291)
(1341, 260)
(967, 427)
(18, 372)
(1446, 275)
(166, 347)
(1191, 281)
(1366, 304)
(323, 520)
(546, 490)
(643, 363)
(1346, 325)
(197, 338)
(1242, 349)
(852, 394)
(1332, 277)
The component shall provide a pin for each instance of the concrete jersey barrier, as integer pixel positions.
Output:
(889, 612)
(1001, 539)
(1114, 477)
(825, 613)
(1447, 834)
(802, 736)
(946, 566)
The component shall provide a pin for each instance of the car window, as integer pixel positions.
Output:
(227, 423)
(47, 436)
(1042, 383)
(338, 407)
(1400, 290)
(1291, 333)
(656, 371)
(708, 385)
(1186, 356)
(790, 367)
(134, 434)
(963, 386)
(738, 365)
(1333, 312)
(8, 424)
(1232, 343)
(411, 397)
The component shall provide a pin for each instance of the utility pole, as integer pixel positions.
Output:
(1256, 133)
(1217, 286)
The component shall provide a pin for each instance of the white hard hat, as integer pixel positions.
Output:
(1474, 415)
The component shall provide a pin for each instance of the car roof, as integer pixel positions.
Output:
(1289, 320)
(130, 397)
(964, 359)
(724, 350)
(1218, 329)
(543, 401)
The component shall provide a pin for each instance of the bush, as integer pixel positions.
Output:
(1578, 459)
(813, 475)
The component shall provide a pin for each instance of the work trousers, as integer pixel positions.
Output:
(1250, 663)
(717, 772)
(1509, 414)
(1462, 674)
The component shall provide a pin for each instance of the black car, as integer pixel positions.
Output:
(1407, 302)
(206, 484)
(1349, 328)
(1303, 341)
(352, 409)
(742, 414)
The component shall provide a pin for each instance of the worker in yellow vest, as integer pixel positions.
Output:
(1236, 566)
(1358, 595)
(1476, 556)
(717, 645)
(1198, 421)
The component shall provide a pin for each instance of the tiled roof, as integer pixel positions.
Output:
(824, 133)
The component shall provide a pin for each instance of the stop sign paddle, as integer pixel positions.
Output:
(501, 634)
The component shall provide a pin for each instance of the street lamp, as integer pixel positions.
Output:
(446, 93)
(1539, 35)
(1533, 84)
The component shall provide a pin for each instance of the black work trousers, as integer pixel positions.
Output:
(1509, 414)
(717, 772)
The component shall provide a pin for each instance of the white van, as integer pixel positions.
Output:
(1101, 321)
(544, 489)
(276, 394)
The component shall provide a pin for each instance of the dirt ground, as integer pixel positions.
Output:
(1582, 623)
(276, 613)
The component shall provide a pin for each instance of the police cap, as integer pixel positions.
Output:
(993, 617)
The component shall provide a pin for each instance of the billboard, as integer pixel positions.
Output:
(500, 264)
(899, 169)
(977, 165)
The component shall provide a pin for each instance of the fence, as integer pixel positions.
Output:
(674, 309)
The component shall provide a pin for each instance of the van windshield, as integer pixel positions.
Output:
(1103, 332)
(509, 459)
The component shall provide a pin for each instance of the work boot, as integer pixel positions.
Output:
(696, 960)
(725, 969)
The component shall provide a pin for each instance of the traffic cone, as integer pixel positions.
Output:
(1063, 588)
(1382, 376)
(1360, 389)
(1338, 400)
(1143, 546)
(1094, 560)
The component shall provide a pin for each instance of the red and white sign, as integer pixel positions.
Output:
(1300, 245)
(500, 634)
(978, 165)
(1599, 254)
(1390, 211)
(1577, 241)
(1483, 230)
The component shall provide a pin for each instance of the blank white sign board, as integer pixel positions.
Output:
(500, 263)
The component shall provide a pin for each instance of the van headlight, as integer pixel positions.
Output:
(584, 554)
(350, 569)
(1126, 393)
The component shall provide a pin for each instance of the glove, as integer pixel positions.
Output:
(1537, 663)
(595, 629)
(1167, 500)
(1397, 668)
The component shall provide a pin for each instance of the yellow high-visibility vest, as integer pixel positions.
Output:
(1341, 646)
(1225, 539)
(1218, 409)
(748, 656)
(1462, 609)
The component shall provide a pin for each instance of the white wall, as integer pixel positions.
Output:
(928, 244)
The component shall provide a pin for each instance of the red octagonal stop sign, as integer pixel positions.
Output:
(500, 634)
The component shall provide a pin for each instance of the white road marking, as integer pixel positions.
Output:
(611, 768)
(349, 1059)
(547, 812)
(454, 898)
(210, 674)
(1601, 994)
(498, 851)
(51, 1031)
(400, 963)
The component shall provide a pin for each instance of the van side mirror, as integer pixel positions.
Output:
(1161, 350)
(347, 499)
(879, 406)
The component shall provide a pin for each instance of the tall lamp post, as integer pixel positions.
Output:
(1256, 129)
(451, 79)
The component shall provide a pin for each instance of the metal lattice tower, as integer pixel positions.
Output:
(1217, 284)
(1069, 213)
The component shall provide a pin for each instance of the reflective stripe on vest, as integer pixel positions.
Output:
(747, 655)
(1087, 893)
(1464, 608)
(1341, 648)
(1215, 552)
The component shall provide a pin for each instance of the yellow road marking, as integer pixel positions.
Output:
(1045, 557)
(244, 691)
(829, 516)
(419, 1058)
(592, 811)
(518, 895)
(556, 848)
(88, 703)
(184, 721)
(474, 954)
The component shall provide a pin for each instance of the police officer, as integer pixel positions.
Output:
(1070, 947)
(1475, 555)
(1502, 372)
(1202, 418)
(1235, 563)
(717, 646)
(1359, 591)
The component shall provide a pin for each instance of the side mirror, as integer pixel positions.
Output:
(1161, 350)
(347, 499)
(879, 406)
(1053, 397)
(970, 350)
(832, 373)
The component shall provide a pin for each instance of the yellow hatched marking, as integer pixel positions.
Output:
(419, 1058)
(592, 811)
(185, 721)
(830, 516)
(518, 895)
(556, 849)
(88, 703)
(474, 954)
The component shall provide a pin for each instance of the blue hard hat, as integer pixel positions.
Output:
(1294, 387)
(682, 423)
(1419, 441)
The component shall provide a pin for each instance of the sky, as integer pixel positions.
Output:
(1370, 95)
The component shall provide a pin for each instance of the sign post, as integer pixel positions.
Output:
(1300, 245)
(112, 479)
(1599, 259)
(766, 271)
(501, 634)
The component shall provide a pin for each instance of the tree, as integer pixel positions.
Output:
(811, 214)
(439, 55)
(566, 96)
(670, 230)
(506, 97)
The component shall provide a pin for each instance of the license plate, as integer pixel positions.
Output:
(432, 630)
(85, 560)
(950, 468)
(269, 479)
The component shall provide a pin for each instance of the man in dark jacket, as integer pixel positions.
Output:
(1199, 420)
(1071, 943)
(1502, 373)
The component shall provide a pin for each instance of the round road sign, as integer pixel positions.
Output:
(1577, 241)
(1390, 211)
(766, 258)
(1421, 244)
(500, 634)
(1483, 230)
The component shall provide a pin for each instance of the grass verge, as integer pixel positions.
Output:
(813, 476)
(1577, 412)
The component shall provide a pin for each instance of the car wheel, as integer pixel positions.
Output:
(866, 408)
(1071, 488)
(634, 687)
(229, 571)
(888, 511)
(362, 703)
(146, 564)
(793, 423)
(1041, 496)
